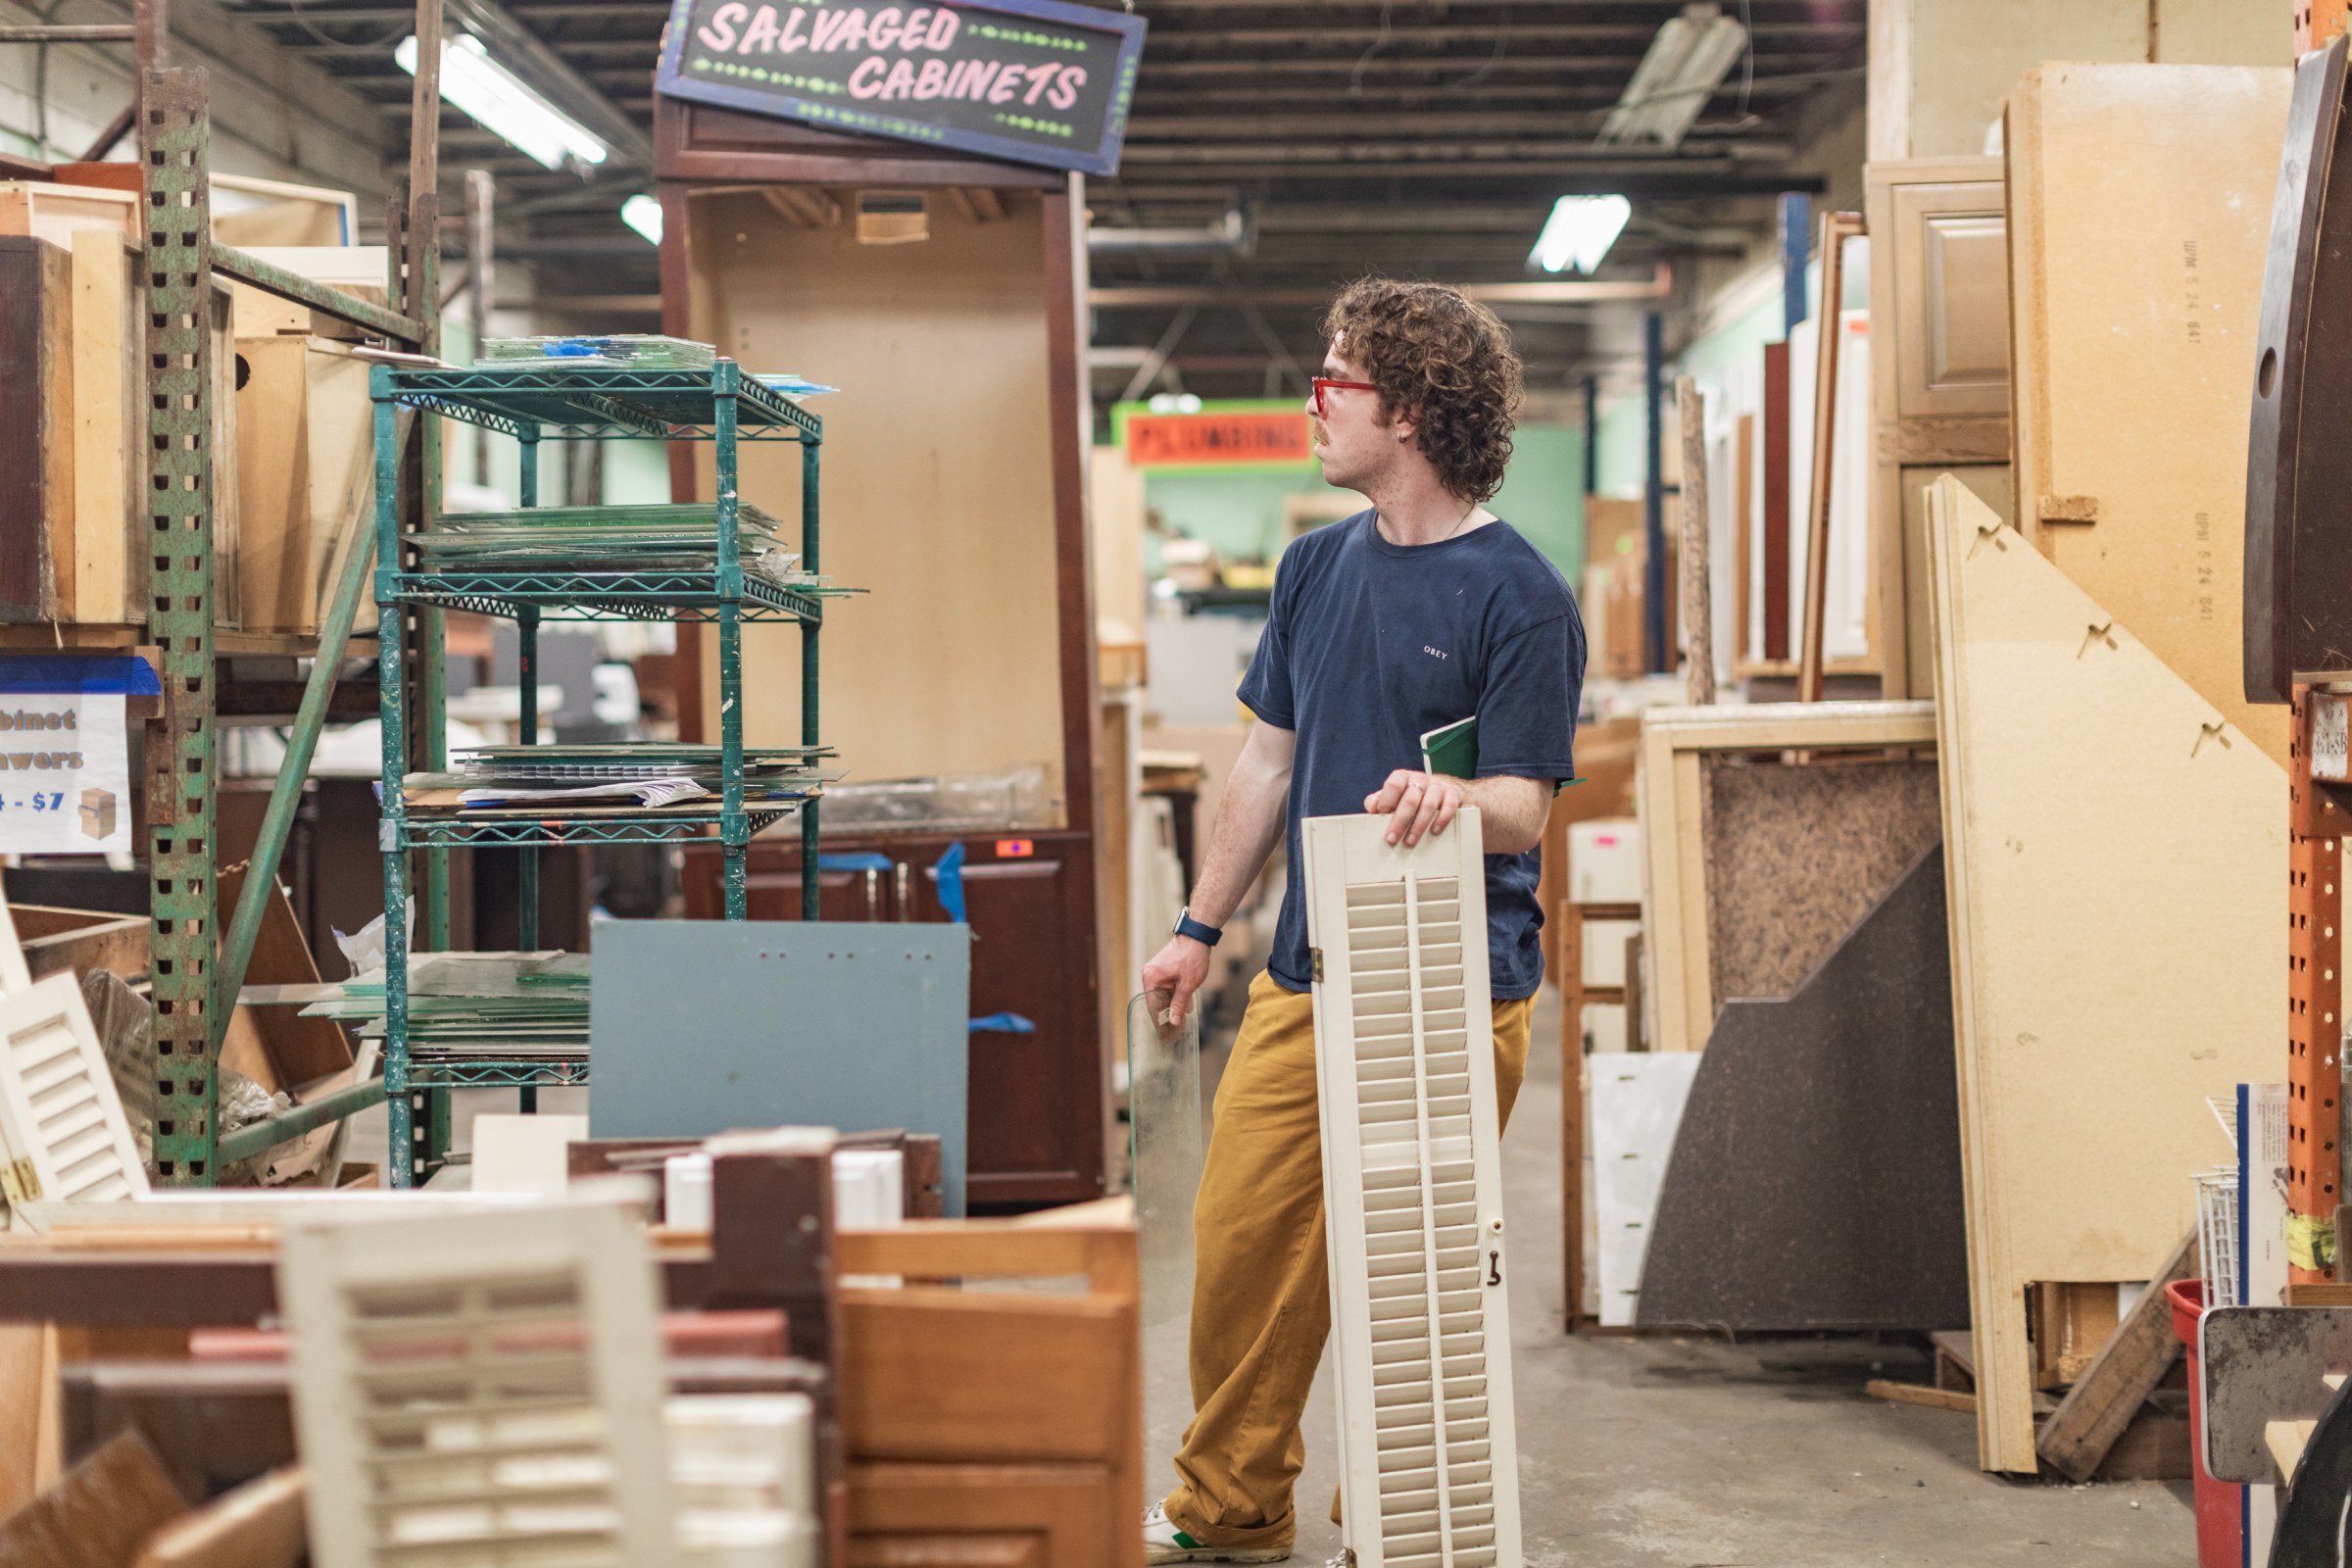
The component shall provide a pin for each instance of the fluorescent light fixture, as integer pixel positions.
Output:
(1579, 233)
(1686, 62)
(642, 214)
(500, 102)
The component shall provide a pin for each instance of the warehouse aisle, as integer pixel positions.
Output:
(1678, 1454)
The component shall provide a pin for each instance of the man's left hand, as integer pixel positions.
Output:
(1421, 803)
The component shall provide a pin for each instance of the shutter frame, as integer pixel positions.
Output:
(1468, 1515)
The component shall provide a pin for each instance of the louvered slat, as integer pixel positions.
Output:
(63, 1135)
(473, 1390)
(1404, 1051)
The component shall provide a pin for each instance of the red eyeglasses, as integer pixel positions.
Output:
(1321, 382)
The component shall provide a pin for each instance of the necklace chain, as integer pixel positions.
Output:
(1459, 523)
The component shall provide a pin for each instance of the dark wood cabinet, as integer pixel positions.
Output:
(1038, 1114)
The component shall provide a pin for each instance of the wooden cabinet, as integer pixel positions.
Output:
(1039, 1102)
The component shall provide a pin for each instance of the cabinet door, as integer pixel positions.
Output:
(1950, 253)
(772, 885)
(1036, 1131)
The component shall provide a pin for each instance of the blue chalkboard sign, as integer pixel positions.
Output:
(1034, 81)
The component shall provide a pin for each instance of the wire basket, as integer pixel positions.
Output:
(2216, 1234)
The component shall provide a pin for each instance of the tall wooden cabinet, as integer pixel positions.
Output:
(954, 492)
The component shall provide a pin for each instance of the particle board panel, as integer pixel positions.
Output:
(1815, 1181)
(2137, 246)
(2100, 992)
(1669, 789)
(1796, 854)
(936, 479)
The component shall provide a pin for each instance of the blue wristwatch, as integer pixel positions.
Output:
(1186, 926)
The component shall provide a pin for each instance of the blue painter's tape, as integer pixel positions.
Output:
(1004, 1023)
(126, 673)
(948, 870)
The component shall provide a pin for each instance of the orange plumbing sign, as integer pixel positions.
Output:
(1214, 438)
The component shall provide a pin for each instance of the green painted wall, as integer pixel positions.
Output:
(1241, 513)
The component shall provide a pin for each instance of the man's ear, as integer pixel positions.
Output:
(1406, 425)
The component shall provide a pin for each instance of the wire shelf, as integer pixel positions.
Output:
(2216, 1234)
(586, 402)
(688, 596)
(496, 1074)
(448, 833)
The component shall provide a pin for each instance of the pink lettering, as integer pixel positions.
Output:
(1008, 81)
(970, 79)
(902, 80)
(795, 34)
(1066, 92)
(761, 34)
(867, 79)
(1039, 78)
(825, 31)
(933, 80)
(944, 28)
(883, 31)
(720, 32)
(910, 36)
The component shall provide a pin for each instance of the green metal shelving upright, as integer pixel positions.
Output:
(529, 401)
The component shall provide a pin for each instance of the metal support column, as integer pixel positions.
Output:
(398, 1105)
(1591, 435)
(810, 888)
(526, 643)
(2315, 992)
(733, 831)
(174, 137)
(1656, 655)
(1796, 243)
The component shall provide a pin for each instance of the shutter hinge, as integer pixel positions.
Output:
(1315, 955)
(18, 1182)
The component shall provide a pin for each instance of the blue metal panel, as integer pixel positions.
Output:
(704, 1026)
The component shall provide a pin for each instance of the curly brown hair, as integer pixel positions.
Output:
(1443, 359)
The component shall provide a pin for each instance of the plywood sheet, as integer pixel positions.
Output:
(2137, 241)
(1815, 1182)
(936, 480)
(1796, 854)
(2117, 862)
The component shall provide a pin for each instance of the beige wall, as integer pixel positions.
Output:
(936, 480)
(1941, 68)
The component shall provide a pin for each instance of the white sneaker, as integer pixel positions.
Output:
(1164, 1542)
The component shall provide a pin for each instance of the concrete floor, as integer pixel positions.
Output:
(1685, 1453)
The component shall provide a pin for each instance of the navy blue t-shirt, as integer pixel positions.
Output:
(1369, 645)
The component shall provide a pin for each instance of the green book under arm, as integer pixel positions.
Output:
(1452, 749)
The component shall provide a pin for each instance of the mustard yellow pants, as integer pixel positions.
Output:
(1261, 1290)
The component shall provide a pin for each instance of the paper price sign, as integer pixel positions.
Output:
(65, 774)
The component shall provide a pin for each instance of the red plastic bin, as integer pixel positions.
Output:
(2220, 1527)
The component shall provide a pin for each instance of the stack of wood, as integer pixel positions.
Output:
(292, 467)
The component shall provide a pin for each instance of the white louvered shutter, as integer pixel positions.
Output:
(480, 1389)
(1412, 1184)
(63, 1135)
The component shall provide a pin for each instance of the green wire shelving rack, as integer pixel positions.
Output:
(532, 401)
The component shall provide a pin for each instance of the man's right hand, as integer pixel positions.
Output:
(1180, 969)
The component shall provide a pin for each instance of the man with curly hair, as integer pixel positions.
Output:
(1425, 610)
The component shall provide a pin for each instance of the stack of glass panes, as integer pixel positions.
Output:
(513, 1007)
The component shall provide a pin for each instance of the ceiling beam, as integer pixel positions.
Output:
(1657, 286)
